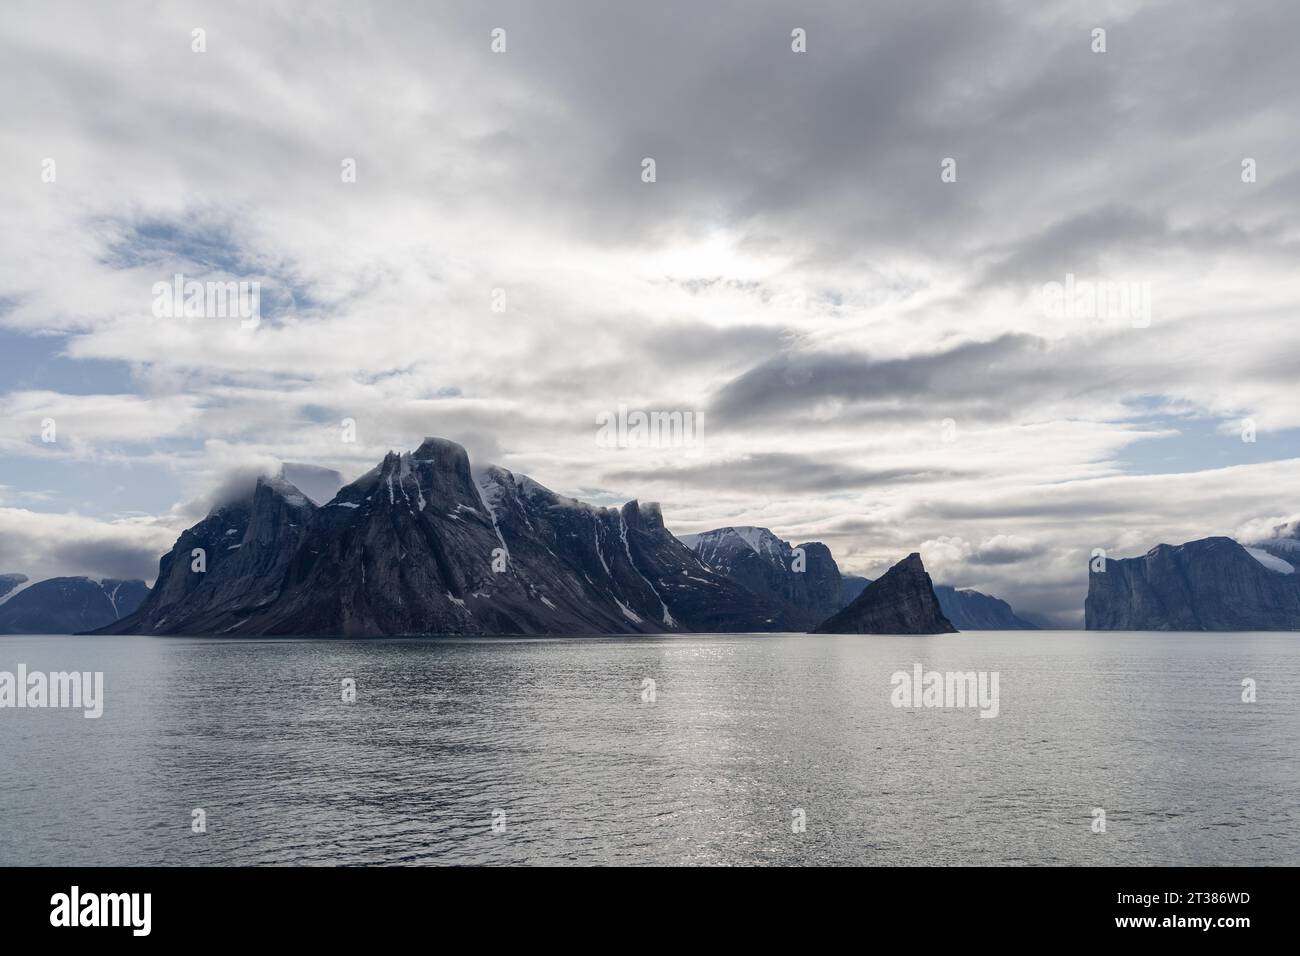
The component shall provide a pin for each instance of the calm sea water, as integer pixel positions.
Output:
(743, 732)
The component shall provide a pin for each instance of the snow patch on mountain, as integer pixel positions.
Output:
(713, 546)
(628, 613)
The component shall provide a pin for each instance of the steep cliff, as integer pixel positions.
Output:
(901, 601)
(1213, 584)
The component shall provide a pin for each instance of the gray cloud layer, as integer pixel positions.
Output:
(798, 273)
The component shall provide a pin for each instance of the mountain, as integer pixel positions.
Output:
(851, 586)
(765, 564)
(971, 610)
(901, 601)
(227, 566)
(1214, 584)
(965, 608)
(423, 545)
(67, 605)
(806, 580)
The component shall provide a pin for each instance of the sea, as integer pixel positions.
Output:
(1085, 748)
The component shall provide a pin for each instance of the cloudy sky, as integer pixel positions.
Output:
(873, 349)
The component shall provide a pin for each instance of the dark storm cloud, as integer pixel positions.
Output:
(1004, 552)
(108, 559)
(1076, 244)
(844, 142)
(742, 130)
(94, 559)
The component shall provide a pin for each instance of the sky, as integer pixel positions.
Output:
(844, 266)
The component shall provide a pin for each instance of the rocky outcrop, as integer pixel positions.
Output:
(67, 605)
(971, 610)
(805, 579)
(423, 545)
(1213, 584)
(965, 608)
(901, 601)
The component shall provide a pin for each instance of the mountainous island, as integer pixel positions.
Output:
(425, 544)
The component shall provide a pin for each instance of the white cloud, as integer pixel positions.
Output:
(49, 545)
(793, 216)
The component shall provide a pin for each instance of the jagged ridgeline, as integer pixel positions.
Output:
(421, 544)
(424, 544)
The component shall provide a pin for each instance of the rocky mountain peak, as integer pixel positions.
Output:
(644, 517)
(726, 546)
(910, 564)
(901, 601)
(808, 588)
(444, 452)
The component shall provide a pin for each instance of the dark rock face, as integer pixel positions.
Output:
(966, 609)
(244, 548)
(703, 598)
(1213, 584)
(901, 601)
(970, 610)
(422, 545)
(69, 605)
(806, 580)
